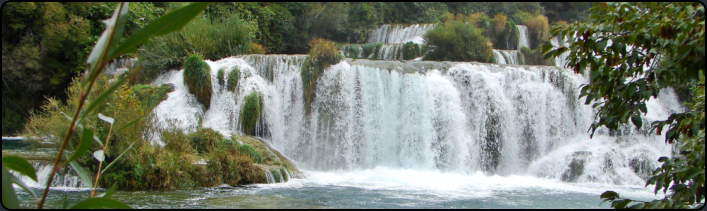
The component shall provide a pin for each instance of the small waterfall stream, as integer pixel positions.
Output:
(399, 33)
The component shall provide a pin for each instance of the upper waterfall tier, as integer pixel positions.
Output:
(443, 116)
(398, 33)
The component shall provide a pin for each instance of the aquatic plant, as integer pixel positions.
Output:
(197, 77)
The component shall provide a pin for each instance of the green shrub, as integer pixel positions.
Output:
(538, 31)
(535, 57)
(370, 48)
(411, 50)
(322, 54)
(458, 41)
(204, 139)
(233, 78)
(197, 77)
(250, 113)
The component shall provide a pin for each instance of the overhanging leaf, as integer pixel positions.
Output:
(19, 182)
(105, 118)
(99, 155)
(100, 203)
(166, 24)
(9, 198)
(82, 173)
(86, 138)
(692, 173)
(127, 125)
(20, 165)
(104, 43)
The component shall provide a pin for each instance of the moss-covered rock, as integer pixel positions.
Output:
(197, 77)
(250, 113)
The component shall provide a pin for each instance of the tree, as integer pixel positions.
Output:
(632, 51)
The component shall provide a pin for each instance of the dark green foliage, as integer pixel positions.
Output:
(251, 111)
(411, 50)
(197, 77)
(233, 78)
(323, 53)
(680, 41)
(204, 139)
(535, 57)
(458, 41)
(566, 11)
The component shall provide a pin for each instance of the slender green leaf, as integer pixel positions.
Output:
(83, 145)
(166, 24)
(9, 198)
(65, 202)
(636, 206)
(95, 138)
(104, 43)
(20, 165)
(22, 185)
(102, 97)
(100, 203)
(620, 204)
(82, 173)
(110, 191)
(692, 173)
(127, 125)
(116, 159)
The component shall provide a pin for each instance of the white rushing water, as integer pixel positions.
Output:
(523, 36)
(398, 33)
(506, 56)
(471, 117)
(65, 179)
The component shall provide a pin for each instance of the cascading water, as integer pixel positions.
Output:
(63, 179)
(396, 33)
(506, 56)
(522, 36)
(453, 117)
(561, 60)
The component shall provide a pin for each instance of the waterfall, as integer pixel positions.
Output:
(522, 37)
(442, 116)
(397, 33)
(506, 56)
(65, 178)
(557, 42)
(499, 57)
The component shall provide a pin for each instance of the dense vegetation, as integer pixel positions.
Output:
(46, 44)
(458, 41)
(653, 46)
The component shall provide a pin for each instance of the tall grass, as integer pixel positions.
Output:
(221, 38)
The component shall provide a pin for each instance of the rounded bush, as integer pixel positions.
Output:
(250, 113)
(197, 77)
(410, 50)
(458, 41)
